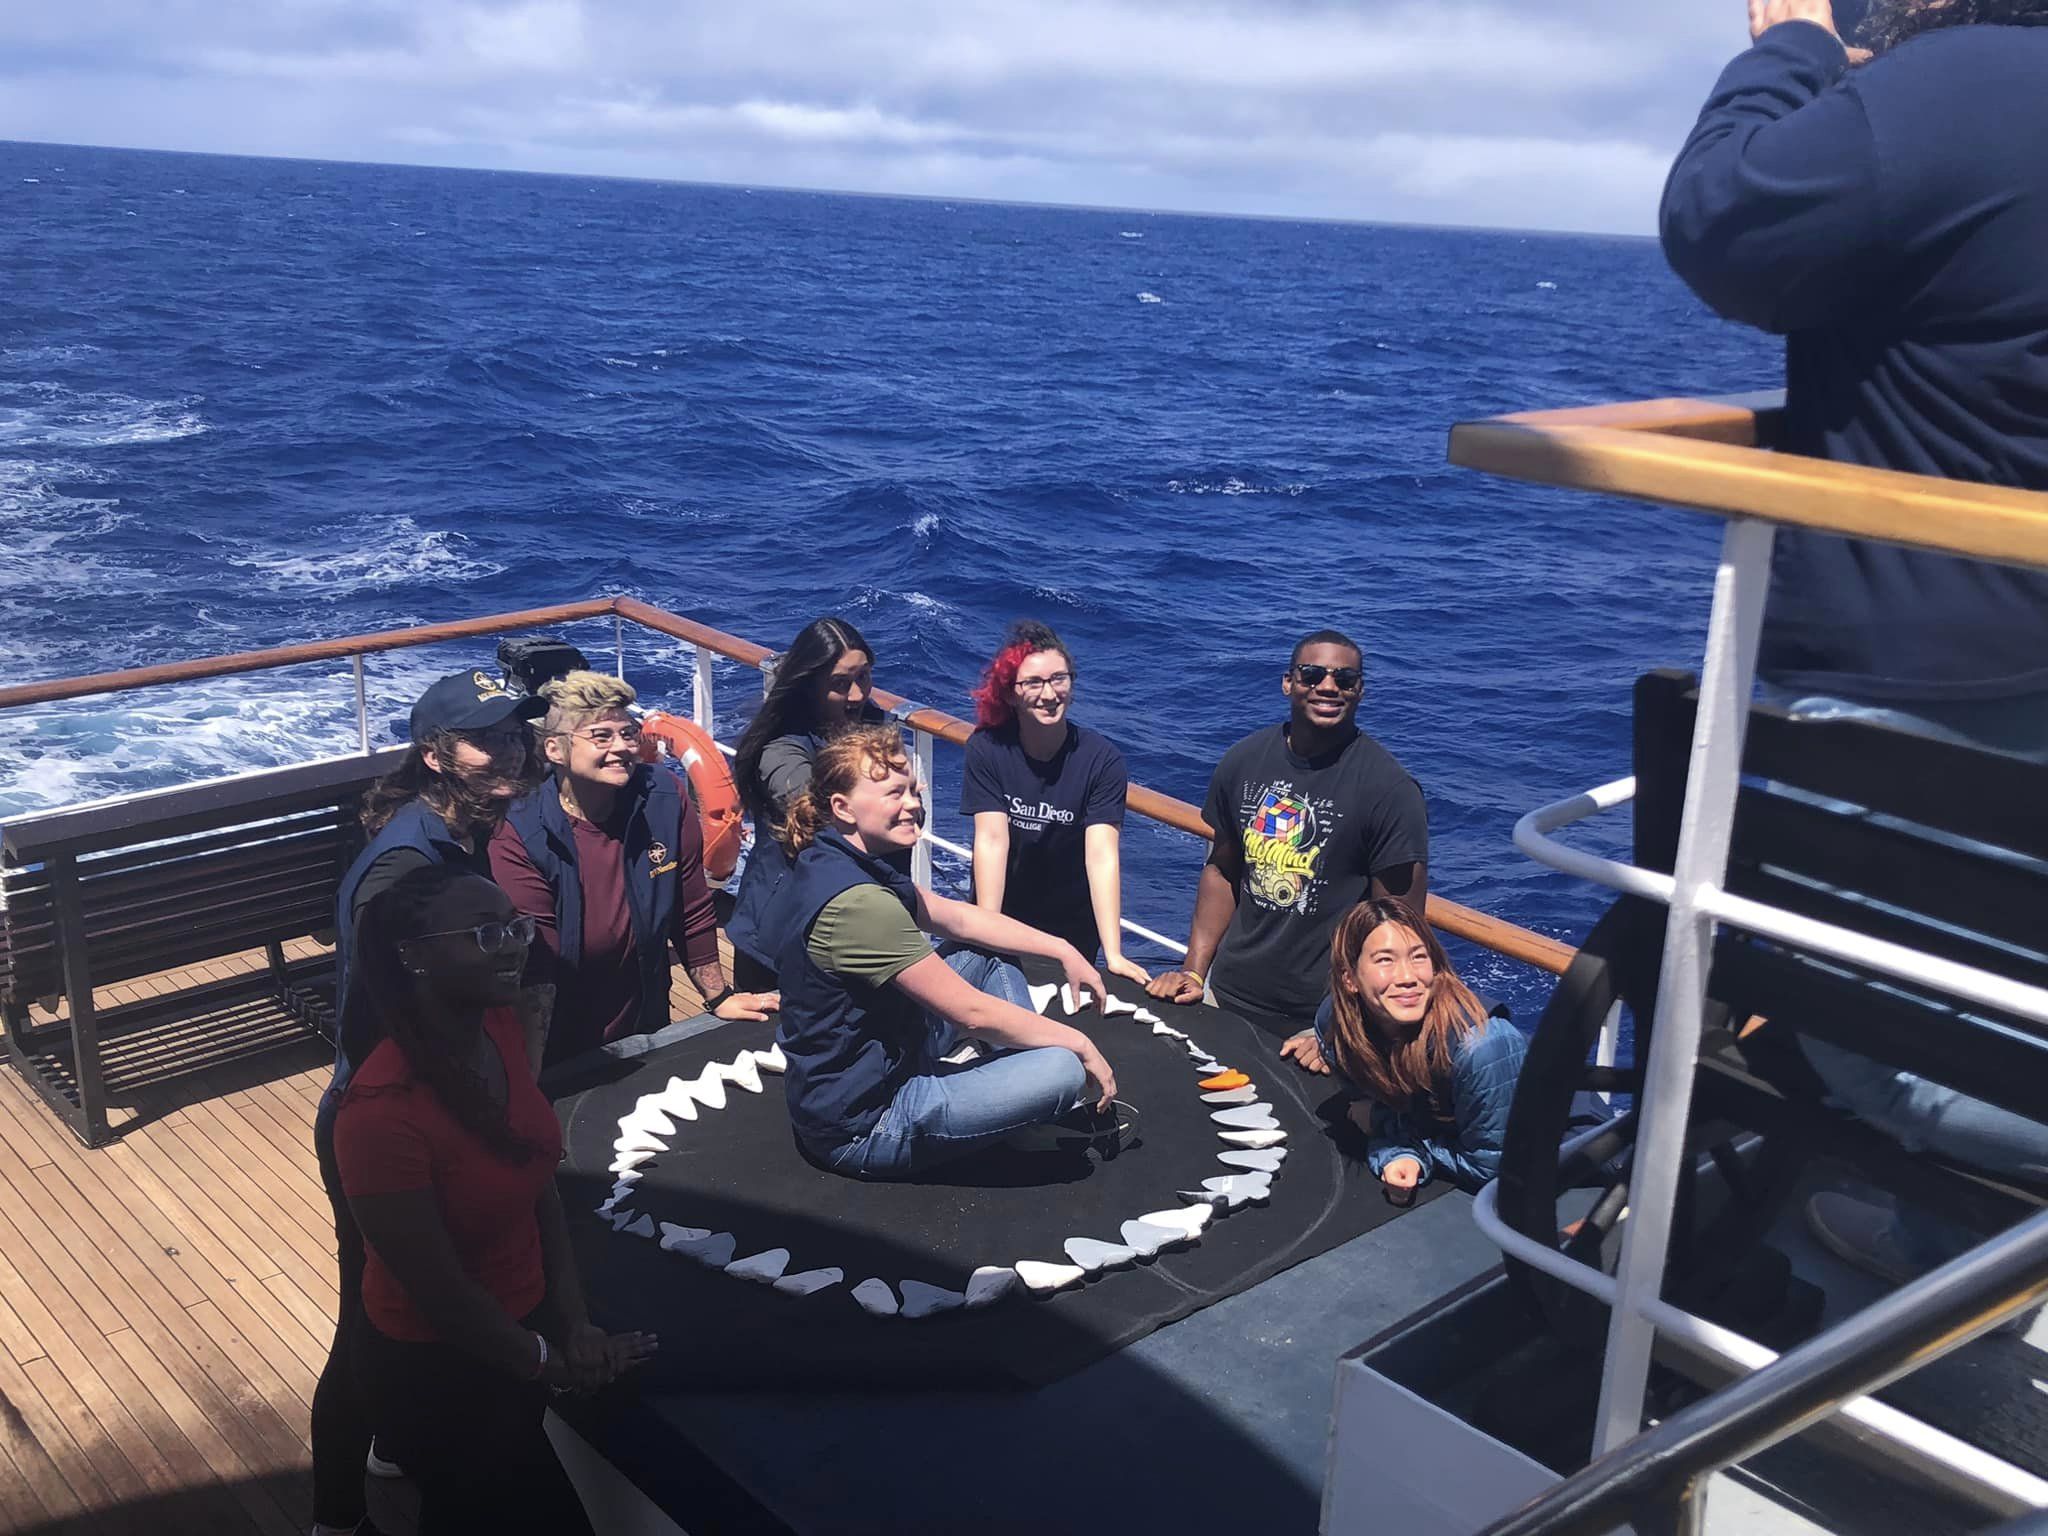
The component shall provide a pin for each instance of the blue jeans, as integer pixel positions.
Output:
(944, 1112)
(988, 973)
(1923, 1116)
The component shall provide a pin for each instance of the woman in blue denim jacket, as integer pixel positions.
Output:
(1436, 1066)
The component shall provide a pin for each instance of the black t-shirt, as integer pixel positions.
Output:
(1311, 834)
(1050, 806)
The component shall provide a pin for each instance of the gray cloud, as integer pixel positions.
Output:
(1563, 115)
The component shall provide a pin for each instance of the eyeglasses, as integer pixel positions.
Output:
(604, 738)
(494, 938)
(1059, 682)
(1309, 674)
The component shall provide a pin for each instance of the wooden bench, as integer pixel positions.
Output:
(100, 894)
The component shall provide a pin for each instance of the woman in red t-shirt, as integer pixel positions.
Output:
(447, 1149)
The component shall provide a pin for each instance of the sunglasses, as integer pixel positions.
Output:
(1309, 674)
(494, 938)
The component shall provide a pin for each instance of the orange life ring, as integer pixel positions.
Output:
(711, 784)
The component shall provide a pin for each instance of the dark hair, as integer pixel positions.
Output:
(1889, 23)
(1324, 637)
(993, 705)
(467, 812)
(787, 708)
(1401, 1075)
(870, 751)
(385, 1001)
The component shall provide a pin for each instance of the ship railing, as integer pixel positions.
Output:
(1716, 456)
(927, 726)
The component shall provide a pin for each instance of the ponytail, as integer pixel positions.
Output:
(863, 751)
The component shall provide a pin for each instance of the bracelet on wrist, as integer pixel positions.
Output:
(541, 1364)
(1200, 980)
(711, 1004)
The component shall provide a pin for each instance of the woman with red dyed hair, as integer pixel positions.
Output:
(1047, 798)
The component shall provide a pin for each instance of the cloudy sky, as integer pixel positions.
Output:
(1555, 114)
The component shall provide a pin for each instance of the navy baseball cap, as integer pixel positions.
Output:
(471, 701)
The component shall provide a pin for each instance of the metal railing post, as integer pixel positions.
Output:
(700, 695)
(362, 707)
(921, 855)
(618, 647)
(1713, 776)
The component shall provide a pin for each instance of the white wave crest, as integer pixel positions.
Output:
(1129, 234)
(927, 523)
(389, 554)
(65, 418)
(1235, 487)
(1150, 298)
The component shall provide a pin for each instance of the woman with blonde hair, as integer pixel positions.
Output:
(607, 858)
(1436, 1065)
(869, 1009)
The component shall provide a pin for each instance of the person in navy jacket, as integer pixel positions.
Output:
(1887, 214)
(607, 856)
(472, 754)
(1437, 1067)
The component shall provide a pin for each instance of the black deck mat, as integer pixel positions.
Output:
(737, 1170)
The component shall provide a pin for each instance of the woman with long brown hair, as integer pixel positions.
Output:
(1436, 1066)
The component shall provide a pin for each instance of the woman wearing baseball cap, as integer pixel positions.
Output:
(472, 754)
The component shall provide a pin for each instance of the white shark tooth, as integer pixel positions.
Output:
(921, 1300)
(809, 1281)
(1189, 1218)
(1041, 995)
(1070, 1000)
(990, 1283)
(625, 1179)
(1245, 1117)
(708, 1088)
(1263, 1160)
(639, 1141)
(627, 1162)
(766, 1267)
(714, 1251)
(1161, 1027)
(1257, 1136)
(1045, 1278)
(1092, 1255)
(1112, 1004)
(674, 1100)
(607, 1207)
(647, 1116)
(875, 1296)
(1147, 1016)
(771, 1060)
(1253, 1186)
(620, 1218)
(1207, 1065)
(1248, 1094)
(1145, 1238)
(674, 1237)
(644, 1227)
(742, 1072)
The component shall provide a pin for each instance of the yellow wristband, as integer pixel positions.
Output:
(1201, 980)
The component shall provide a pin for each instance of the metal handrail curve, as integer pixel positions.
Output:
(1646, 1478)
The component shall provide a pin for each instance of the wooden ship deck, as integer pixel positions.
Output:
(166, 1300)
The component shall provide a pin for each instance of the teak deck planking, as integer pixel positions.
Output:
(166, 1301)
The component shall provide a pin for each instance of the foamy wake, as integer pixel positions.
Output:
(64, 418)
(388, 554)
(1234, 487)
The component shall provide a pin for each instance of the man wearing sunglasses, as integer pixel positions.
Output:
(1310, 817)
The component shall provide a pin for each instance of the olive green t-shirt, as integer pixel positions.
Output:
(865, 934)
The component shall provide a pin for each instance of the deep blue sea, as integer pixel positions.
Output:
(248, 402)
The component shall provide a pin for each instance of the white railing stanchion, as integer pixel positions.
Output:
(362, 706)
(618, 648)
(701, 699)
(921, 855)
(1713, 776)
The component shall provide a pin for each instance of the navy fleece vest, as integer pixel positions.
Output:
(850, 1046)
(768, 865)
(417, 826)
(653, 805)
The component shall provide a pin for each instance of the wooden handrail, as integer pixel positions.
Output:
(1706, 454)
(1493, 933)
(291, 655)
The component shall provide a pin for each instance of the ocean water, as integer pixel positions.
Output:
(245, 402)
